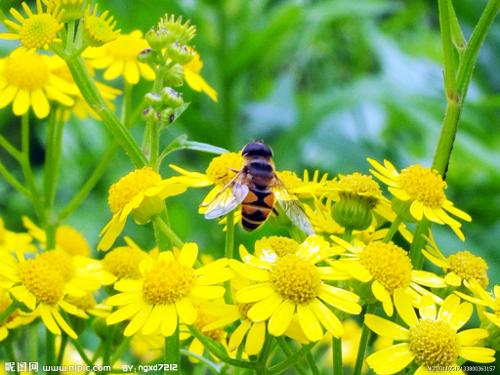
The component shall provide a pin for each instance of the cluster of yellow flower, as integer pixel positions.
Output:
(363, 260)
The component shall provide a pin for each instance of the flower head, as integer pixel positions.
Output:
(71, 9)
(120, 58)
(99, 29)
(164, 294)
(422, 190)
(388, 269)
(123, 261)
(431, 341)
(29, 80)
(141, 193)
(37, 30)
(294, 285)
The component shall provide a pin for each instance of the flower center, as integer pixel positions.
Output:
(434, 343)
(126, 47)
(99, 29)
(42, 280)
(128, 187)
(85, 302)
(424, 185)
(167, 282)
(219, 170)
(202, 320)
(359, 184)
(388, 264)
(26, 71)
(295, 279)
(289, 179)
(123, 262)
(72, 241)
(469, 266)
(39, 30)
(280, 245)
(61, 262)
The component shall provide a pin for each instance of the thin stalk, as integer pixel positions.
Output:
(280, 367)
(312, 364)
(108, 344)
(62, 348)
(165, 228)
(347, 234)
(81, 351)
(50, 354)
(363, 343)
(11, 150)
(10, 353)
(12, 181)
(120, 350)
(393, 228)
(33, 342)
(261, 367)
(209, 364)
(172, 349)
(422, 230)
(337, 368)
(288, 352)
(92, 96)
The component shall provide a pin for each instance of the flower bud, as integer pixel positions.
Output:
(98, 30)
(180, 53)
(71, 9)
(167, 116)
(150, 115)
(148, 56)
(153, 99)
(352, 212)
(171, 97)
(149, 208)
(158, 39)
(174, 76)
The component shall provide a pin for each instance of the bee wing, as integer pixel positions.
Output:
(228, 198)
(292, 207)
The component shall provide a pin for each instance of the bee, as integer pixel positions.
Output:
(257, 188)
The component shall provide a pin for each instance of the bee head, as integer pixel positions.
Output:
(257, 148)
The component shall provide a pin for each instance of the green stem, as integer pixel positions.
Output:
(337, 367)
(280, 367)
(261, 364)
(154, 145)
(418, 244)
(120, 350)
(158, 221)
(229, 251)
(393, 228)
(10, 353)
(62, 348)
(312, 364)
(11, 150)
(26, 167)
(81, 351)
(33, 342)
(108, 345)
(14, 182)
(288, 352)
(94, 99)
(210, 365)
(172, 349)
(450, 82)
(8, 311)
(50, 354)
(89, 184)
(347, 234)
(363, 342)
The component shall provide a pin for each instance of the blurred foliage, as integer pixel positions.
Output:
(327, 84)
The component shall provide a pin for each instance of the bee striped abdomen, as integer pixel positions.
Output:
(256, 207)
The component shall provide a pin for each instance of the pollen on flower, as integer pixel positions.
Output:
(388, 264)
(358, 184)
(295, 279)
(424, 185)
(72, 241)
(84, 302)
(122, 192)
(289, 179)
(434, 343)
(60, 261)
(280, 245)
(220, 169)
(167, 282)
(28, 72)
(42, 280)
(469, 266)
(123, 262)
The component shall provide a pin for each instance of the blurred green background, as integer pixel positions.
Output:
(325, 83)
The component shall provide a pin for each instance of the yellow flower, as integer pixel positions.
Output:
(321, 217)
(15, 319)
(194, 79)
(71, 9)
(37, 30)
(28, 80)
(388, 268)
(272, 247)
(140, 193)
(482, 299)
(41, 285)
(14, 242)
(164, 294)
(120, 58)
(89, 305)
(123, 261)
(98, 30)
(431, 341)
(219, 173)
(459, 267)
(422, 189)
(306, 187)
(294, 285)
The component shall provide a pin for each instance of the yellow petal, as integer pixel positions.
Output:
(427, 279)
(472, 336)
(186, 311)
(7, 95)
(123, 313)
(309, 323)
(254, 293)
(249, 272)
(448, 308)
(453, 279)
(281, 318)
(127, 285)
(327, 318)
(23, 295)
(385, 328)
(263, 309)
(169, 323)
(417, 210)
(383, 296)
(112, 231)
(21, 103)
(114, 70)
(48, 319)
(238, 335)
(404, 307)
(138, 320)
(40, 104)
(391, 360)
(155, 318)
(123, 298)
(255, 338)
(208, 292)
(461, 315)
(131, 72)
(63, 324)
(476, 354)
(427, 309)
(188, 254)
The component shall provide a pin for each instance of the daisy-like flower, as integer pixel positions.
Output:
(194, 79)
(28, 80)
(272, 247)
(36, 30)
(422, 190)
(123, 261)
(41, 285)
(432, 341)
(388, 268)
(163, 296)
(483, 299)
(219, 173)
(459, 267)
(140, 193)
(120, 58)
(295, 285)
(98, 30)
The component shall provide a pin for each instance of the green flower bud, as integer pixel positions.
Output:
(181, 54)
(353, 212)
(173, 76)
(149, 56)
(167, 116)
(171, 97)
(153, 99)
(150, 115)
